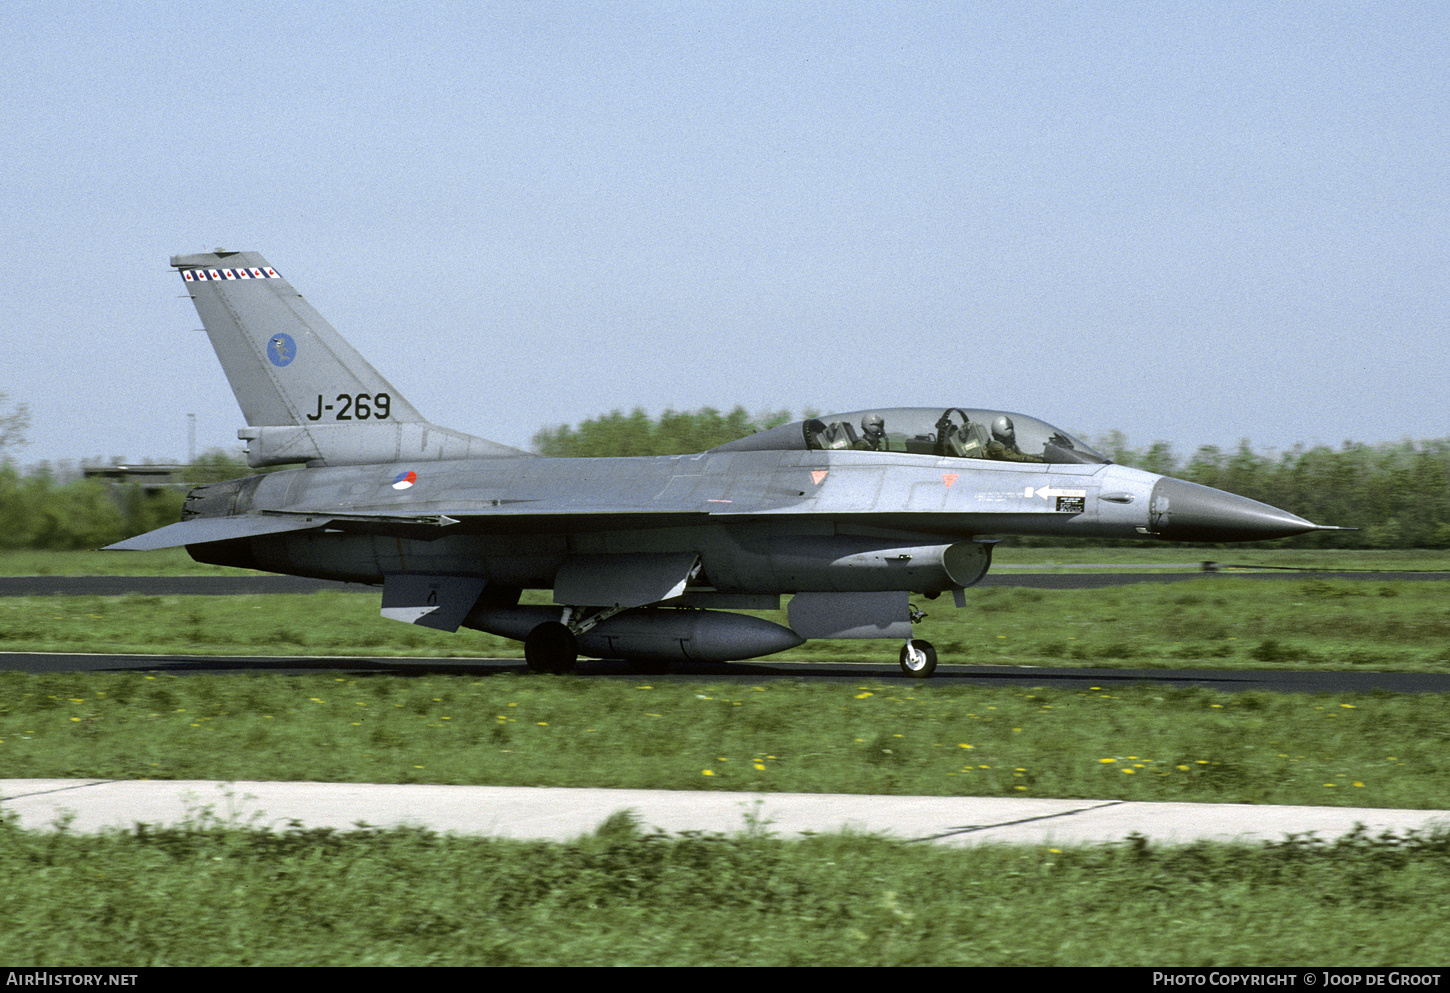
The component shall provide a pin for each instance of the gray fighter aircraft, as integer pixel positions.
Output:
(648, 558)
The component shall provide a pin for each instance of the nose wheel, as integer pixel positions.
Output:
(918, 658)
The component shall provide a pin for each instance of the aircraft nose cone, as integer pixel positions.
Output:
(1183, 511)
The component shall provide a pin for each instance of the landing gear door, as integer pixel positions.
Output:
(625, 580)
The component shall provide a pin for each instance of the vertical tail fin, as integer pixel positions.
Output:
(278, 352)
(307, 395)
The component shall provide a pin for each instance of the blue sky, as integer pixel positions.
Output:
(1188, 222)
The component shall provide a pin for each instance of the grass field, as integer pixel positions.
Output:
(218, 894)
(209, 896)
(898, 737)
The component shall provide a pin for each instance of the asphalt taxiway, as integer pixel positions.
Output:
(756, 671)
(559, 814)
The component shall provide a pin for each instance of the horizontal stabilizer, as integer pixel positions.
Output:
(200, 530)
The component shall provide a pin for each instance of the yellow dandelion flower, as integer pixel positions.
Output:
(1106, 761)
(707, 772)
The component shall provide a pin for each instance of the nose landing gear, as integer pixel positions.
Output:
(918, 658)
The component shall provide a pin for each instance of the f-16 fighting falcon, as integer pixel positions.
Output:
(648, 559)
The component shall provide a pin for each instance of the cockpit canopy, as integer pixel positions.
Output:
(954, 432)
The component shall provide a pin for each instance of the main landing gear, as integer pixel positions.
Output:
(918, 658)
(551, 647)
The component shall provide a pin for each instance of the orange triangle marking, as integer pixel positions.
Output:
(817, 475)
(949, 478)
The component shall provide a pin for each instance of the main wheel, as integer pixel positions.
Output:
(551, 647)
(918, 659)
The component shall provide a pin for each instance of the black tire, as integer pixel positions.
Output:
(922, 666)
(551, 647)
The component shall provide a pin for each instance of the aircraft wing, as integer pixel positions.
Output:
(425, 527)
(201, 530)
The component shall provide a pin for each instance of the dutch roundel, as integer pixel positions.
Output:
(405, 480)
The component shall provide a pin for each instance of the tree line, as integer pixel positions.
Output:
(41, 510)
(636, 433)
(1397, 494)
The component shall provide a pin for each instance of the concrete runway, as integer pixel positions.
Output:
(557, 814)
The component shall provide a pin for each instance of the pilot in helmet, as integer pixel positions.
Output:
(1003, 445)
(873, 434)
(1003, 431)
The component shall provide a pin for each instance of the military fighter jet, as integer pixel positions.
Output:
(647, 558)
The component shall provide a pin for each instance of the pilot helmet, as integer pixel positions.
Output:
(1003, 431)
(873, 424)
